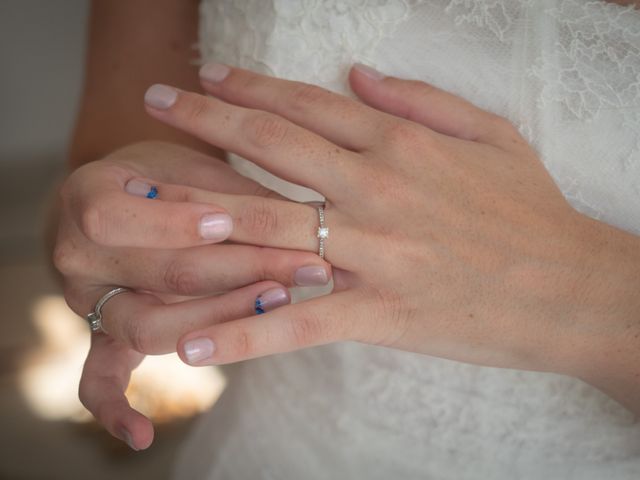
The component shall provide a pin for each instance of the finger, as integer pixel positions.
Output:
(260, 221)
(144, 323)
(109, 216)
(278, 145)
(183, 166)
(104, 380)
(272, 222)
(436, 109)
(323, 320)
(209, 269)
(337, 118)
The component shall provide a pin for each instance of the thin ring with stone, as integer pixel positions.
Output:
(95, 317)
(323, 230)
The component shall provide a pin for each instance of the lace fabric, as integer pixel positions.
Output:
(567, 72)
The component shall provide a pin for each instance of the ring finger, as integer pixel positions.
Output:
(147, 325)
(270, 222)
(210, 269)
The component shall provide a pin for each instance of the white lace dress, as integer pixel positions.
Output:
(568, 73)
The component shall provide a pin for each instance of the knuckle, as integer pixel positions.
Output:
(305, 96)
(308, 329)
(259, 218)
(138, 334)
(390, 320)
(84, 393)
(262, 191)
(66, 188)
(64, 259)
(195, 109)
(424, 89)
(181, 278)
(74, 296)
(241, 344)
(265, 129)
(270, 264)
(93, 223)
(506, 126)
(405, 135)
(384, 185)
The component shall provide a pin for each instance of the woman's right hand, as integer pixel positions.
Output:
(168, 251)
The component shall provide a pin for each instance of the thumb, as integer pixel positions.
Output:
(430, 106)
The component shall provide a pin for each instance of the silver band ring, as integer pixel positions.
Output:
(95, 317)
(323, 230)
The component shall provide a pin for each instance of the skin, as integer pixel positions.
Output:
(128, 50)
(401, 299)
(470, 275)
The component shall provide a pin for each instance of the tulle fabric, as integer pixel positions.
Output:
(567, 72)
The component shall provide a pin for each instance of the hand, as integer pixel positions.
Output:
(454, 239)
(110, 234)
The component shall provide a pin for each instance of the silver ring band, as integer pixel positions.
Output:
(323, 230)
(95, 317)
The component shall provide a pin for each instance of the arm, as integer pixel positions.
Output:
(132, 45)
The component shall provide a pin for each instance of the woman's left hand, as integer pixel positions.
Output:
(448, 235)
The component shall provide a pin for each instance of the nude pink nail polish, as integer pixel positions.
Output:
(368, 71)
(216, 226)
(161, 96)
(198, 350)
(214, 72)
(311, 275)
(271, 299)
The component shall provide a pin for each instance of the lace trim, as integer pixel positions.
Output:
(318, 36)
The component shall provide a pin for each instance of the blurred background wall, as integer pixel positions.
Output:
(42, 45)
(45, 433)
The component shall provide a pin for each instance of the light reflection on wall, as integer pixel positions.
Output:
(162, 387)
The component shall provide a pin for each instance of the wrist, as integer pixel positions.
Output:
(601, 344)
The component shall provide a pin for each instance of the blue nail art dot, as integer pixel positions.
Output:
(153, 193)
(259, 307)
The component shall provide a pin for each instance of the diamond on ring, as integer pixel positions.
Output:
(323, 232)
(95, 317)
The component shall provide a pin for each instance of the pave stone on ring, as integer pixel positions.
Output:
(95, 317)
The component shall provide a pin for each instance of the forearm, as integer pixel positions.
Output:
(132, 45)
(603, 346)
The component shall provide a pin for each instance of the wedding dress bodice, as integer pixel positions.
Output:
(567, 72)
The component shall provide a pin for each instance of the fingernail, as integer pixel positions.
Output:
(271, 299)
(368, 71)
(141, 189)
(311, 275)
(216, 226)
(198, 350)
(160, 96)
(214, 72)
(129, 439)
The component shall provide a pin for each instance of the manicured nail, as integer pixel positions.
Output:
(311, 275)
(198, 350)
(141, 189)
(370, 72)
(271, 299)
(129, 439)
(161, 96)
(216, 226)
(214, 72)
